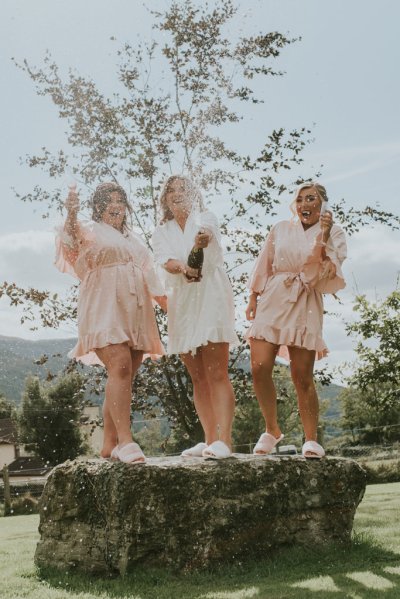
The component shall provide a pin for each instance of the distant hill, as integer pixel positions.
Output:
(17, 361)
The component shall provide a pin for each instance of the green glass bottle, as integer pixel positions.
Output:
(196, 260)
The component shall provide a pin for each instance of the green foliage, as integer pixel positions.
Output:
(371, 406)
(381, 471)
(7, 408)
(50, 419)
(368, 419)
(379, 322)
(25, 504)
(152, 437)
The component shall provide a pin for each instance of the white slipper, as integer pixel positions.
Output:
(114, 454)
(266, 443)
(312, 449)
(194, 452)
(129, 453)
(217, 451)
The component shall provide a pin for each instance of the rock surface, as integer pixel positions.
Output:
(104, 517)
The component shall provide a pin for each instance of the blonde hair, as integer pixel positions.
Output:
(190, 188)
(102, 197)
(320, 189)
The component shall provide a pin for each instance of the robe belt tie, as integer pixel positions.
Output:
(298, 283)
(135, 278)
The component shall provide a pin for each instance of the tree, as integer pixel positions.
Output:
(147, 130)
(7, 408)
(372, 400)
(50, 419)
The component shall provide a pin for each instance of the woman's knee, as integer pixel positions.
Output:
(120, 369)
(217, 374)
(197, 377)
(261, 370)
(303, 381)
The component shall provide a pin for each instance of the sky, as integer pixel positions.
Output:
(341, 80)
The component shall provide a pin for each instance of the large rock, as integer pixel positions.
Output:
(104, 517)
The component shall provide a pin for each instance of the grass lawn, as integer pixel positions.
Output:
(370, 568)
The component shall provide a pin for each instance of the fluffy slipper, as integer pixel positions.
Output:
(217, 451)
(194, 452)
(114, 453)
(129, 453)
(266, 443)
(312, 449)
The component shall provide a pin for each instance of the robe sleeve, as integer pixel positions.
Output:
(336, 250)
(161, 247)
(68, 248)
(262, 269)
(145, 259)
(209, 223)
(152, 280)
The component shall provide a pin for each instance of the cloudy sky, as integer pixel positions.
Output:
(341, 81)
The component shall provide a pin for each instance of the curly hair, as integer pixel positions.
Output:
(102, 197)
(190, 188)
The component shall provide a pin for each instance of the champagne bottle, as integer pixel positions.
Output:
(196, 259)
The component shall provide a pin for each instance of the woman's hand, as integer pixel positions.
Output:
(326, 221)
(72, 203)
(177, 267)
(328, 269)
(192, 274)
(251, 307)
(202, 239)
(162, 301)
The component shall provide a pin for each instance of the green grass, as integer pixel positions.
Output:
(368, 569)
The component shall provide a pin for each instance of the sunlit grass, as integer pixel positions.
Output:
(368, 569)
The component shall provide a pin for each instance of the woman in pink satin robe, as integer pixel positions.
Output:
(300, 260)
(116, 321)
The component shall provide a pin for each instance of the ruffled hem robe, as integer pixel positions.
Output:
(117, 283)
(287, 275)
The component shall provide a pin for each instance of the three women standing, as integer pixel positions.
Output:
(300, 260)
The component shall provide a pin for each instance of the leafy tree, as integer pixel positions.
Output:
(176, 100)
(364, 421)
(372, 400)
(7, 408)
(50, 419)
(152, 437)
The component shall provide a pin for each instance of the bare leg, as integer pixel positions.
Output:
(302, 367)
(215, 361)
(110, 437)
(136, 358)
(201, 394)
(118, 362)
(263, 356)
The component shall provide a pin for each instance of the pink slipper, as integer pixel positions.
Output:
(194, 452)
(129, 453)
(217, 451)
(312, 449)
(266, 443)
